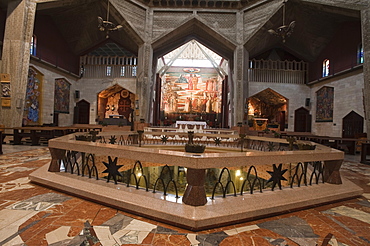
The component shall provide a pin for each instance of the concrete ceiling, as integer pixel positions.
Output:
(315, 26)
(77, 20)
(314, 29)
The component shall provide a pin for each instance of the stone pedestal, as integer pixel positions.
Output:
(56, 155)
(331, 172)
(195, 193)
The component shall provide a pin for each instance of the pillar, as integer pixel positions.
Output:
(240, 83)
(240, 76)
(144, 81)
(145, 78)
(16, 57)
(365, 24)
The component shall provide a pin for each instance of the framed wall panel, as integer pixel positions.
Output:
(325, 104)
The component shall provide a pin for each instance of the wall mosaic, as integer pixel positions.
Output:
(33, 100)
(325, 104)
(191, 90)
(61, 96)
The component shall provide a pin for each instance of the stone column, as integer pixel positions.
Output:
(365, 24)
(240, 88)
(16, 57)
(144, 80)
(240, 83)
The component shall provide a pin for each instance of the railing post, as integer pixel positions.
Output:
(195, 193)
(56, 156)
(331, 171)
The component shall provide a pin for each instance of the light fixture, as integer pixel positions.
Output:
(283, 31)
(107, 26)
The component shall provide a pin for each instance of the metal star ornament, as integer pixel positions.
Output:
(277, 176)
(112, 140)
(112, 169)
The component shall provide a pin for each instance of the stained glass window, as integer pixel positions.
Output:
(360, 54)
(325, 67)
(33, 45)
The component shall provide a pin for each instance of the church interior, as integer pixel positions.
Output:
(276, 92)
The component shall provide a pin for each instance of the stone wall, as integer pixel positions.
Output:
(348, 96)
(90, 88)
(296, 95)
(48, 85)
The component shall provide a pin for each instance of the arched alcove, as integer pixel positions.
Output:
(268, 104)
(115, 106)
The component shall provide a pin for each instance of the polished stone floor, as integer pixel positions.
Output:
(35, 215)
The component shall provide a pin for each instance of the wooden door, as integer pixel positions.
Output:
(82, 112)
(282, 120)
(224, 106)
(56, 119)
(353, 124)
(302, 120)
(157, 102)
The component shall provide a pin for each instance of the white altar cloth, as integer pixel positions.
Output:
(187, 122)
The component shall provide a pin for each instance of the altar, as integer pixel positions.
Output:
(259, 124)
(116, 120)
(188, 122)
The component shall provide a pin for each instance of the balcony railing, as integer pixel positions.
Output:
(292, 72)
(108, 66)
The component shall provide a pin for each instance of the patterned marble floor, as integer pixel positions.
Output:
(33, 215)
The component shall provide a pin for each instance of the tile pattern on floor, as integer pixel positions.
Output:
(35, 215)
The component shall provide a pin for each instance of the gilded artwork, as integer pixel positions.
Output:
(5, 89)
(325, 104)
(5, 102)
(62, 96)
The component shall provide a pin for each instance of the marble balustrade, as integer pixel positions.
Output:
(196, 164)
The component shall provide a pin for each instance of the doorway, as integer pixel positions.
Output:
(353, 124)
(82, 112)
(302, 120)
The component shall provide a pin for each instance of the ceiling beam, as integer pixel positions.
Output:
(219, 70)
(355, 5)
(335, 10)
(164, 69)
(51, 4)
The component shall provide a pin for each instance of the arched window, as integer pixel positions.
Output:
(360, 54)
(33, 45)
(325, 67)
